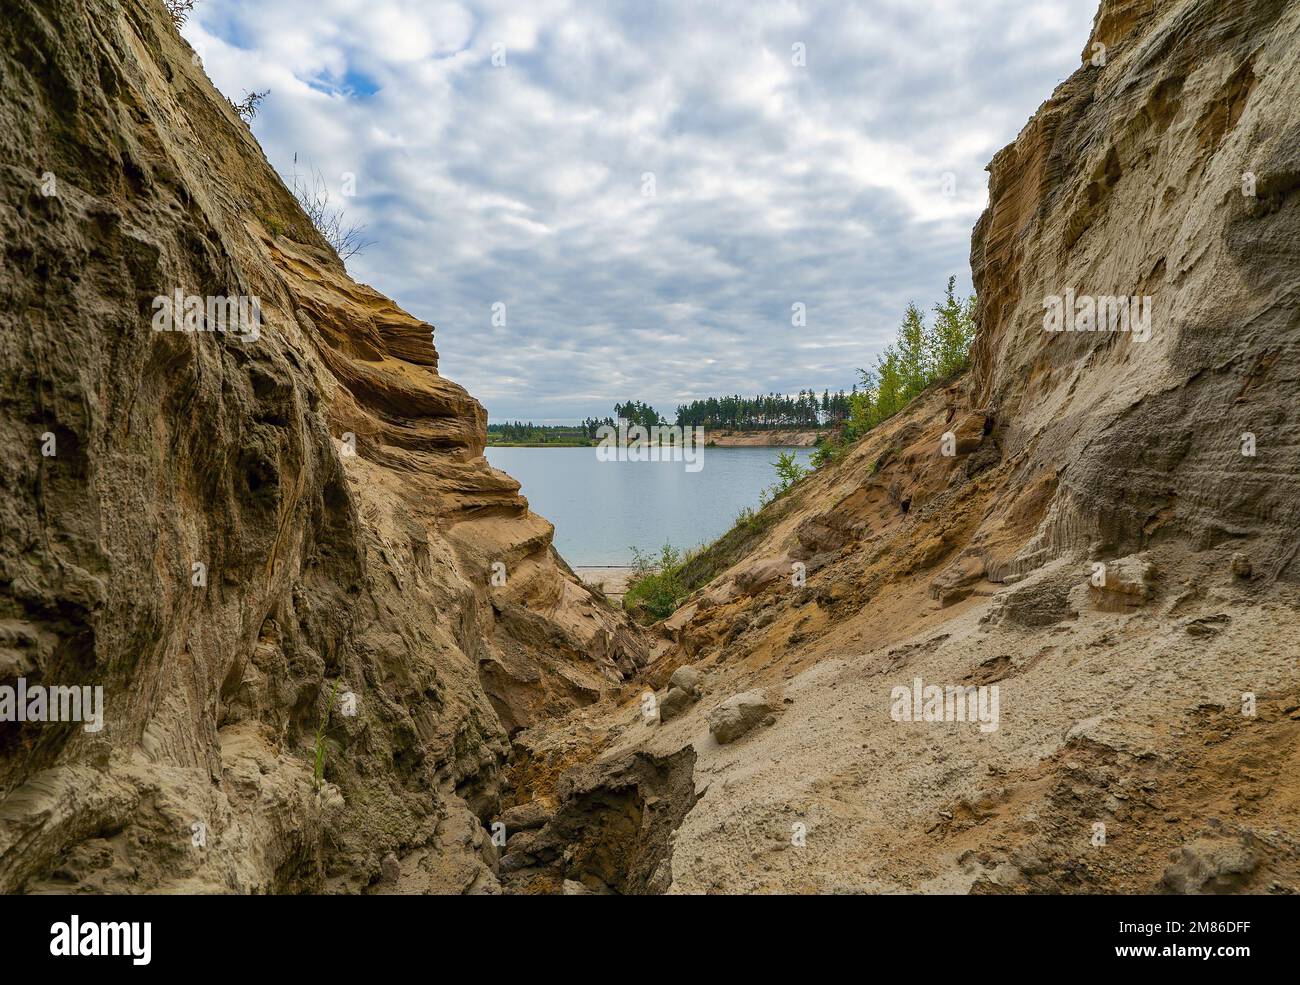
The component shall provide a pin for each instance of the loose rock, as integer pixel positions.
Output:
(675, 702)
(1209, 866)
(738, 714)
(533, 814)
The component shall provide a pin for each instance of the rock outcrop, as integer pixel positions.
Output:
(316, 613)
(612, 831)
(1169, 170)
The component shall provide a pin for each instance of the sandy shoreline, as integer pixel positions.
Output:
(611, 579)
(762, 439)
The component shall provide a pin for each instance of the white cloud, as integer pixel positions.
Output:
(774, 182)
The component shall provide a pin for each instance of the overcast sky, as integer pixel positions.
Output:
(648, 187)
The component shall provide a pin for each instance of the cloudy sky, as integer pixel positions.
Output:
(648, 187)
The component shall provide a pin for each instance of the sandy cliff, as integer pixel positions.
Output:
(776, 439)
(124, 175)
(1073, 522)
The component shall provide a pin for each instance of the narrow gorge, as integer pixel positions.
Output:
(228, 534)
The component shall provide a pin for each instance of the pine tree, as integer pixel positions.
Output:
(954, 332)
(890, 385)
(913, 356)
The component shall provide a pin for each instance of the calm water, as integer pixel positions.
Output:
(601, 509)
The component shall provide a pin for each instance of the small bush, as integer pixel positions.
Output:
(656, 582)
(251, 103)
(788, 473)
(830, 449)
(180, 10)
(346, 239)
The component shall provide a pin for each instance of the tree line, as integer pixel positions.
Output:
(767, 412)
(763, 412)
(526, 432)
(920, 355)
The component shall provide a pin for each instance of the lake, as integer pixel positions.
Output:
(601, 509)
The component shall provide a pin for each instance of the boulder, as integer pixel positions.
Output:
(1210, 865)
(738, 714)
(683, 691)
(958, 580)
(1129, 581)
(521, 842)
(688, 679)
(521, 817)
(675, 702)
(758, 575)
(1041, 598)
(817, 535)
(514, 861)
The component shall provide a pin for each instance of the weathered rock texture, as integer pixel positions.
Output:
(1099, 549)
(1132, 180)
(612, 830)
(369, 572)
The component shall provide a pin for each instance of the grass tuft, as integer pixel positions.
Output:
(318, 768)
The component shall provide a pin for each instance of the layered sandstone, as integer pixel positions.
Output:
(329, 482)
(1098, 547)
(1170, 172)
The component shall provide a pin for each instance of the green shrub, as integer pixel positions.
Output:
(788, 470)
(656, 582)
(788, 473)
(830, 449)
(318, 766)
